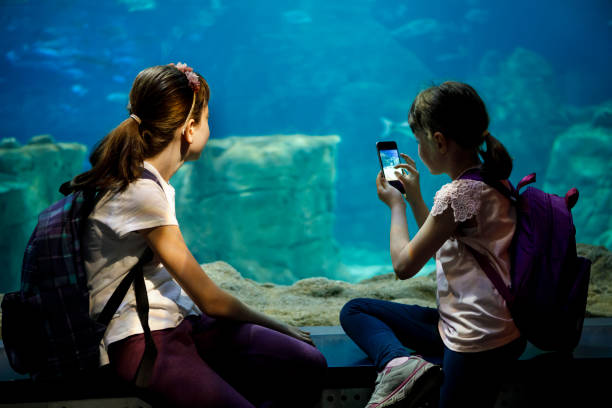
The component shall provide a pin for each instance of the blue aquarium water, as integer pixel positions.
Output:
(312, 67)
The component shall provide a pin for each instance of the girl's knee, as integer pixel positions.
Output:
(318, 360)
(352, 307)
(311, 358)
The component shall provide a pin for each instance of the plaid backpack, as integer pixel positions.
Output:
(46, 327)
(549, 281)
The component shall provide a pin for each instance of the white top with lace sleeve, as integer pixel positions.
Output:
(473, 315)
(113, 247)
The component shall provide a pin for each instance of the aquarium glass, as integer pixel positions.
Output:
(301, 91)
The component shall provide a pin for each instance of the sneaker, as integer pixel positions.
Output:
(405, 385)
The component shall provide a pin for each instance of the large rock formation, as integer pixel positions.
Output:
(263, 203)
(580, 158)
(30, 176)
(525, 106)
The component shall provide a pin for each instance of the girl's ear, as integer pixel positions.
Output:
(188, 131)
(440, 142)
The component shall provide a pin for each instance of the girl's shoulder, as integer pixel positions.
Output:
(140, 194)
(463, 196)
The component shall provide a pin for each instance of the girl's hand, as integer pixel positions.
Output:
(387, 193)
(299, 334)
(410, 181)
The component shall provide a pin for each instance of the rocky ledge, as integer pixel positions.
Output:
(317, 301)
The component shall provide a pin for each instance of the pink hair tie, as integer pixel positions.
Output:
(192, 77)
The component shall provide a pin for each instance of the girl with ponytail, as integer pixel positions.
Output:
(470, 336)
(212, 349)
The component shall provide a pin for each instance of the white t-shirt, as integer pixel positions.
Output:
(112, 248)
(473, 315)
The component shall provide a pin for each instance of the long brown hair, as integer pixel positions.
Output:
(456, 110)
(162, 99)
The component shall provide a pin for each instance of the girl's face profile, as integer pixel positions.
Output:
(200, 137)
(424, 147)
(427, 150)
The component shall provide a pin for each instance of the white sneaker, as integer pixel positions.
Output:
(405, 384)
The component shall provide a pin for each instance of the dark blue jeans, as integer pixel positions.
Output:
(385, 330)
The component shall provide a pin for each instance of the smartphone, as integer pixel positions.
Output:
(388, 157)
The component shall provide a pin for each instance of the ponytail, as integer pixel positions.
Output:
(497, 163)
(116, 160)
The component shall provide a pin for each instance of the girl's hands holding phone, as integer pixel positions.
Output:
(409, 179)
(387, 193)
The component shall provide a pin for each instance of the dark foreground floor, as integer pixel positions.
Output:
(539, 379)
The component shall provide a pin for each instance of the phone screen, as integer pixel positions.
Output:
(389, 158)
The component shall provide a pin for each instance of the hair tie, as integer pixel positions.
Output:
(136, 118)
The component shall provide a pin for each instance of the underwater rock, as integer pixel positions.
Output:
(525, 106)
(599, 302)
(580, 158)
(30, 177)
(317, 301)
(9, 143)
(603, 116)
(263, 203)
(41, 139)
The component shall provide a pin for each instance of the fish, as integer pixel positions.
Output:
(477, 16)
(461, 52)
(139, 5)
(417, 28)
(79, 89)
(297, 17)
(390, 127)
(117, 97)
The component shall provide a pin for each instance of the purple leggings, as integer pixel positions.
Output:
(206, 362)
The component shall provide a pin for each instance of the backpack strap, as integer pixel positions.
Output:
(148, 174)
(493, 276)
(135, 275)
(511, 194)
(116, 298)
(145, 368)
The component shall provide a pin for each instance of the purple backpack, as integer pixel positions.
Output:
(549, 282)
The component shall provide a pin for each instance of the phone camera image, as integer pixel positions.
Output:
(389, 159)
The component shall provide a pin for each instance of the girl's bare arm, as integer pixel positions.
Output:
(409, 256)
(168, 244)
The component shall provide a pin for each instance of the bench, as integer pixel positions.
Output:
(538, 379)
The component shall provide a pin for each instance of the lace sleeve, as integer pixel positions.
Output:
(464, 197)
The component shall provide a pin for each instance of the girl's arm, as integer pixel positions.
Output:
(412, 187)
(409, 256)
(419, 210)
(168, 244)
